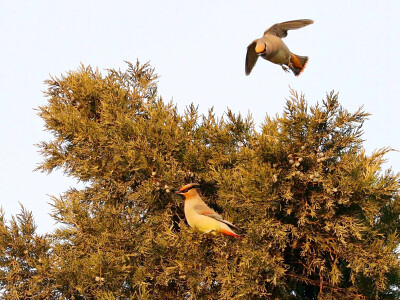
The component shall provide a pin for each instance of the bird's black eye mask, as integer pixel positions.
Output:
(187, 190)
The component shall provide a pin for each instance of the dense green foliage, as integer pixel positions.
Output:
(320, 218)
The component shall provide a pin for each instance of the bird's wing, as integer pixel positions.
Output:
(281, 29)
(251, 57)
(203, 209)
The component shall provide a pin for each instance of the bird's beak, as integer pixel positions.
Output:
(178, 192)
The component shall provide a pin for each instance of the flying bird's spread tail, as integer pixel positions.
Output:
(298, 63)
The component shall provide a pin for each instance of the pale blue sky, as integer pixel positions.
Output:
(198, 48)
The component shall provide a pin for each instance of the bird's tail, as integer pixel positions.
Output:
(231, 233)
(298, 63)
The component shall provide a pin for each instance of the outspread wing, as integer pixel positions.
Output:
(281, 29)
(251, 57)
(203, 209)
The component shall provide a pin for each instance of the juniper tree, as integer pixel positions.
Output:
(26, 260)
(319, 215)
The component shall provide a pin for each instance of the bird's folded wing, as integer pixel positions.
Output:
(207, 211)
(280, 29)
(203, 209)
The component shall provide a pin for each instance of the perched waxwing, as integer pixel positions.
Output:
(202, 217)
(272, 48)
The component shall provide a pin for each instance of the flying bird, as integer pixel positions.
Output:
(272, 48)
(202, 217)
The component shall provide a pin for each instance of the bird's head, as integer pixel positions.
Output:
(261, 47)
(188, 190)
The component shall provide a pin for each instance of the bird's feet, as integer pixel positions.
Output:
(290, 65)
(286, 69)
